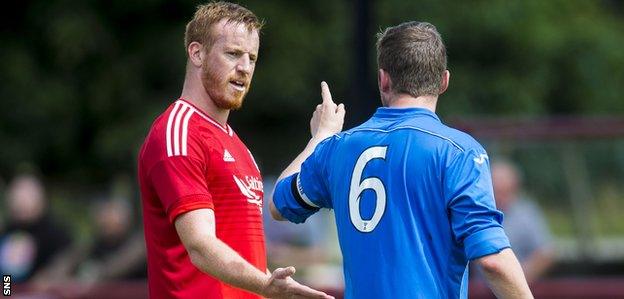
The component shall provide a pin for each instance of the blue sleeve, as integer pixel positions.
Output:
(300, 195)
(475, 221)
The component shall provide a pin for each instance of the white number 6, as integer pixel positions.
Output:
(357, 187)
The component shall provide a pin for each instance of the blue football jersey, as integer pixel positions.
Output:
(413, 202)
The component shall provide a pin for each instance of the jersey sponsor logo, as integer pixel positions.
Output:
(227, 157)
(177, 129)
(250, 187)
(481, 159)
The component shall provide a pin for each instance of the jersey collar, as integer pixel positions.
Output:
(227, 129)
(390, 113)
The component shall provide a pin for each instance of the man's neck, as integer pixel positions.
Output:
(193, 91)
(408, 101)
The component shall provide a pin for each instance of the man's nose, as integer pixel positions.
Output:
(244, 64)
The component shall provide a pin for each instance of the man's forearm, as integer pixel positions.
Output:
(220, 261)
(212, 256)
(504, 275)
(295, 165)
(327, 120)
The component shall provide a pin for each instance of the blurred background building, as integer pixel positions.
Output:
(537, 82)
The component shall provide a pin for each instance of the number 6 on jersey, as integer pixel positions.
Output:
(358, 186)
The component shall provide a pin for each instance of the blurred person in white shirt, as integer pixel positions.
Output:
(524, 221)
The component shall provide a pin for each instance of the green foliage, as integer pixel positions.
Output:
(82, 81)
(525, 57)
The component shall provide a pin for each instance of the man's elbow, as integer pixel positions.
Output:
(195, 256)
(491, 265)
(495, 264)
(195, 253)
(203, 252)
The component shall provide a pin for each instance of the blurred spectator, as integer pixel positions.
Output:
(32, 239)
(524, 222)
(118, 252)
(3, 212)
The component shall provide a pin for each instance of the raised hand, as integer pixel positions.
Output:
(328, 118)
(281, 285)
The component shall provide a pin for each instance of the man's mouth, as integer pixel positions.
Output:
(238, 85)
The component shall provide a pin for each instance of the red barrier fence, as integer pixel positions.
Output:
(567, 288)
(564, 288)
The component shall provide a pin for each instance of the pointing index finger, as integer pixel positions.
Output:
(325, 94)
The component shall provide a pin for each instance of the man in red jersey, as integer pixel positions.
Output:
(201, 190)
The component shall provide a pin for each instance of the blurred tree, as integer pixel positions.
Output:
(525, 57)
(81, 81)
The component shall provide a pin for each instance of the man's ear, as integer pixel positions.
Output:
(384, 81)
(195, 54)
(445, 81)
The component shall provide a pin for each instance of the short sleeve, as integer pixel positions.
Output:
(180, 181)
(475, 221)
(299, 196)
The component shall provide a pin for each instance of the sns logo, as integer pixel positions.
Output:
(481, 159)
(6, 285)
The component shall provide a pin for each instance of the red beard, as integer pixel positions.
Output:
(221, 92)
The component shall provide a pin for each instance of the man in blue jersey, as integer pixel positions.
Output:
(412, 197)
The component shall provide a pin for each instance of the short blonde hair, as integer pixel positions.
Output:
(199, 28)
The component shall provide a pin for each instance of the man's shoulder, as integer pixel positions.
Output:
(435, 129)
(462, 139)
(174, 131)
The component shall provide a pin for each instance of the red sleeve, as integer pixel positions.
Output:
(181, 185)
(180, 182)
(176, 162)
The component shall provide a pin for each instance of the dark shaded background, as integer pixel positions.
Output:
(81, 82)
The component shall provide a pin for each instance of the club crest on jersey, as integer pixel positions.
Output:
(227, 157)
(250, 187)
(481, 159)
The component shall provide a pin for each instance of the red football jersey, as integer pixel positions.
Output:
(187, 162)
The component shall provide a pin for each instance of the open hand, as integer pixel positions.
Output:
(281, 285)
